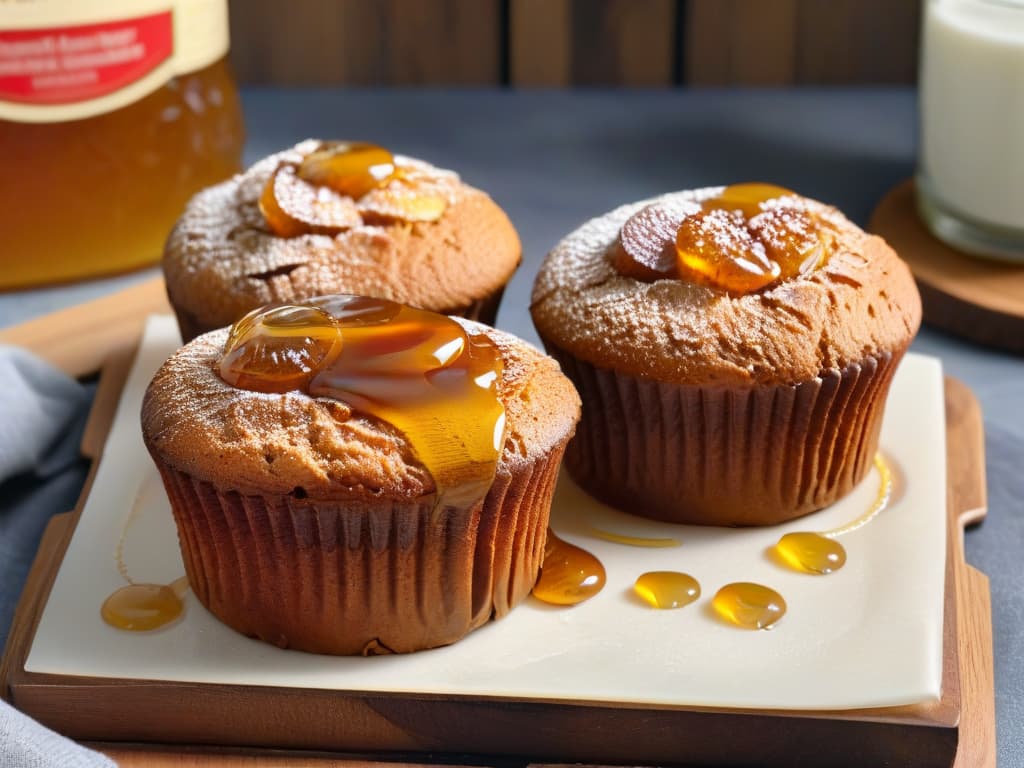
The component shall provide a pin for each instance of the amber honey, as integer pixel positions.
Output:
(748, 237)
(570, 574)
(745, 239)
(666, 589)
(818, 552)
(144, 607)
(415, 370)
(99, 195)
(341, 185)
(749, 605)
(811, 552)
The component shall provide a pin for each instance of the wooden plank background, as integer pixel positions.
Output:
(557, 43)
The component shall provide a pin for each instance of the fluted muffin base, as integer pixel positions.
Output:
(716, 455)
(362, 577)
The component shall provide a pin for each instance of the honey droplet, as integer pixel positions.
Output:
(569, 574)
(811, 552)
(350, 168)
(279, 349)
(293, 207)
(748, 605)
(142, 607)
(667, 589)
(419, 371)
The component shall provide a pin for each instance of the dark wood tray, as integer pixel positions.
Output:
(132, 717)
(980, 300)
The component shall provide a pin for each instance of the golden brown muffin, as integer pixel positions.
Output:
(222, 259)
(310, 525)
(710, 406)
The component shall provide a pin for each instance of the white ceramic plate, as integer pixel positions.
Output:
(869, 635)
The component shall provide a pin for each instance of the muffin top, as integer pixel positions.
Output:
(294, 443)
(223, 258)
(860, 301)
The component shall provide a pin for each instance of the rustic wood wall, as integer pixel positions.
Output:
(557, 43)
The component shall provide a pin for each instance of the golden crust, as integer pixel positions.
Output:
(253, 442)
(863, 302)
(220, 260)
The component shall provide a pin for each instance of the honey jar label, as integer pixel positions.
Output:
(63, 61)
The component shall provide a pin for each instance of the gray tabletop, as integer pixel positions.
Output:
(553, 159)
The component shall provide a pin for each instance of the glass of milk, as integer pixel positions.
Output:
(970, 181)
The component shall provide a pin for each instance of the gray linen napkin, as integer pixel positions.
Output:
(42, 414)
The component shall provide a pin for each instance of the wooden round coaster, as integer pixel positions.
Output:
(980, 300)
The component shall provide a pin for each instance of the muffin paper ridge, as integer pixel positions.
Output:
(367, 577)
(718, 455)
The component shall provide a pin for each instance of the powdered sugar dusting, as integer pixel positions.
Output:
(862, 302)
(274, 443)
(221, 260)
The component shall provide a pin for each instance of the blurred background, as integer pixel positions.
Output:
(556, 43)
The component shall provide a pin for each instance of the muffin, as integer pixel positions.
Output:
(315, 517)
(733, 348)
(338, 217)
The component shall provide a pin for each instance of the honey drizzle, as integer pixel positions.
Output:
(882, 498)
(415, 370)
(139, 607)
(133, 515)
(636, 541)
(819, 552)
(569, 574)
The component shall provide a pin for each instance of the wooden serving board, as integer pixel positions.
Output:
(971, 297)
(154, 723)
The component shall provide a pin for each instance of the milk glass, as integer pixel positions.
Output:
(970, 181)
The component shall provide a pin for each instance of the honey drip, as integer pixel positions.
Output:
(820, 553)
(569, 574)
(143, 607)
(635, 541)
(667, 589)
(341, 185)
(749, 605)
(415, 370)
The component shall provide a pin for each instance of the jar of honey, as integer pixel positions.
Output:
(112, 114)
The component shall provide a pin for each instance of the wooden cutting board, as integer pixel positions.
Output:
(971, 297)
(240, 724)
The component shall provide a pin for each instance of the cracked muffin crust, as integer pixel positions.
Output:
(312, 526)
(711, 408)
(221, 259)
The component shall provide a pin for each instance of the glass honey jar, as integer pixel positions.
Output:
(112, 114)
